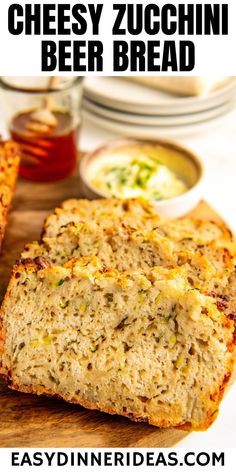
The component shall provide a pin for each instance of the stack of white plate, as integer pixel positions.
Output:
(125, 107)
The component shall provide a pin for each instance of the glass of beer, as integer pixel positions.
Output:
(44, 118)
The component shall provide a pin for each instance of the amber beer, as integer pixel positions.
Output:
(48, 152)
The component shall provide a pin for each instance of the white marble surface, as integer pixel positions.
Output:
(218, 151)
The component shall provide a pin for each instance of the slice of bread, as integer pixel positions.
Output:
(125, 248)
(120, 247)
(9, 162)
(142, 343)
(80, 228)
(136, 213)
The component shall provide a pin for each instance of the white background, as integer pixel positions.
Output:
(22, 54)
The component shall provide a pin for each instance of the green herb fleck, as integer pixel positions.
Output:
(57, 283)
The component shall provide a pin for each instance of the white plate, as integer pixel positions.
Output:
(126, 129)
(155, 120)
(124, 95)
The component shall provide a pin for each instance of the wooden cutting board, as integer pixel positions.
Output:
(31, 421)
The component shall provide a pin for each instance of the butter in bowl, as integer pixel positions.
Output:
(162, 172)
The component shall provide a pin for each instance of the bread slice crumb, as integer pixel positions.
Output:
(142, 343)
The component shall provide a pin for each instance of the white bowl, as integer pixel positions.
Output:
(187, 164)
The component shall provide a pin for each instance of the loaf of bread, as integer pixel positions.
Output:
(143, 343)
(9, 162)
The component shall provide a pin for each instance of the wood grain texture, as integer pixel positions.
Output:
(31, 421)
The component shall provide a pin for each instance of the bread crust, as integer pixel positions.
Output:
(9, 163)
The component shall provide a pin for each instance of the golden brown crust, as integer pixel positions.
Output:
(9, 162)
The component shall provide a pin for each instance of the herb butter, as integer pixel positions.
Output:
(138, 171)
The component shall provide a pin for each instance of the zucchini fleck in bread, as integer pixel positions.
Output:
(9, 162)
(142, 343)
